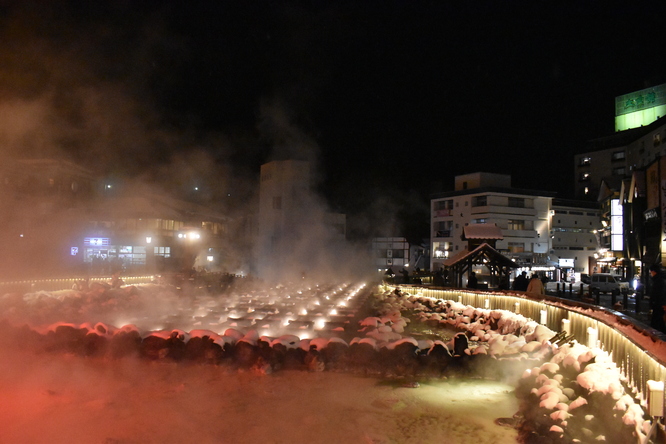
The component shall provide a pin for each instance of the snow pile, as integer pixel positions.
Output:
(384, 329)
(580, 392)
(568, 389)
(499, 333)
(575, 391)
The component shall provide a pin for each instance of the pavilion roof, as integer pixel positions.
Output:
(478, 255)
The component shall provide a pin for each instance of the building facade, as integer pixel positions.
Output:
(575, 234)
(614, 171)
(152, 233)
(391, 252)
(295, 230)
(640, 122)
(524, 216)
(57, 220)
(540, 232)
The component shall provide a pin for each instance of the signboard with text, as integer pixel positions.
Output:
(566, 263)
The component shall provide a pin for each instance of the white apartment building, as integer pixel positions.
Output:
(575, 235)
(524, 216)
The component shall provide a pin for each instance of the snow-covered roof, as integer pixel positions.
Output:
(482, 231)
(457, 257)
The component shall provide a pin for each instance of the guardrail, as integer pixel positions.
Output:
(638, 350)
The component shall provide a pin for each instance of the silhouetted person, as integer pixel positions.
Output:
(657, 297)
(438, 278)
(521, 282)
(405, 276)
(472, 282)
(116, 282)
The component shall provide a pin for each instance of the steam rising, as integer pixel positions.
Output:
(97, 87)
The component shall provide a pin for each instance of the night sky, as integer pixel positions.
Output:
(390, 100)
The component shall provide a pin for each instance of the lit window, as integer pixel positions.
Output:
(516, 224)
(516, 247)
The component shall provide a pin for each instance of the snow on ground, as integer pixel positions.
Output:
(67, 399)
(63, 398)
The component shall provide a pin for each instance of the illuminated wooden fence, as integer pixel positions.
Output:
(32, 286)
(637, 364)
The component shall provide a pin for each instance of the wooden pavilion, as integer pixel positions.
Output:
(481, 240)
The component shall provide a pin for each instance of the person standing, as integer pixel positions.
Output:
(520, 282)
(472, 282)
(405, 276)
(657, 297)
(535, 285)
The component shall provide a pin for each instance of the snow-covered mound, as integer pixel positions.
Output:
(569, 390)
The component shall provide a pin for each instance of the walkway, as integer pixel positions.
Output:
(630, 305)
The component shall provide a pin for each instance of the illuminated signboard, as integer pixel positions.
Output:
(617, 230)
(96, 241)
(566, 263)
(639, 108)
(651, 214)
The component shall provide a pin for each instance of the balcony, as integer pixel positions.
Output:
(443, 233)
(502, 209)
(527, 234)
(443, 213)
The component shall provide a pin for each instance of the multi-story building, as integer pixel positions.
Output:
(55, 220)
(640, 123)
(524, 216)
(575, 233)
(612, 172)
(391, 253)
(295, 230)
(38, 203)
(152, 233)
